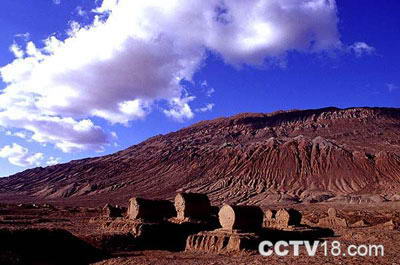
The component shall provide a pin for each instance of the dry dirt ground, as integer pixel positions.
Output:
(78, 222)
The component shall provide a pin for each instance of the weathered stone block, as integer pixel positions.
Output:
(192, 206)
(150, 210)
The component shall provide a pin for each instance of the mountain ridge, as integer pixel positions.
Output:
(257, 158)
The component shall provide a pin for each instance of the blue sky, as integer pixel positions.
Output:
(139, 71)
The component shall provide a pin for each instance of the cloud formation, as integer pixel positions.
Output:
(361, 48)
(53, 161)
(391, 87)
(136, 54)
(20, 156)
(207, 107)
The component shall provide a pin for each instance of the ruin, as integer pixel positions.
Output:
(360, 223)
(151, 225)
(389, 225)
(282, 219)
(150, 210)
(332, 212)
(240, 225)
(110, 211)
(221, 241)
(269, 218)
(192, 206)
(190, 224)
(242, 218)
(333, 221)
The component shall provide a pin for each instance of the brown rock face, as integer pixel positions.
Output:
(250, 158)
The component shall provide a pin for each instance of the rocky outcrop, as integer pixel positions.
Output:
(286, 156)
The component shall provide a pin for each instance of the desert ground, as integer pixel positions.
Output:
(42, 238)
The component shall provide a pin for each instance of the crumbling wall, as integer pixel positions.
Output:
(150, 210)
(192, 206)
(111, 211)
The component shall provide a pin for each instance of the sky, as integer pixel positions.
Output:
(87, 78)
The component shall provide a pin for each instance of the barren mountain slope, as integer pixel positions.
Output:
(253, 158)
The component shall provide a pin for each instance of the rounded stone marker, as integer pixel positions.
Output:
(246, 218)
(332, 212)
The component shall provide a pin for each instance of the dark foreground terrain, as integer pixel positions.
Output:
(42, 234)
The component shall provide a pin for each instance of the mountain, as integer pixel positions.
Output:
(300, 155)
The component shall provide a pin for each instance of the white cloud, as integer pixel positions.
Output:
(24, 36)
(207, 107)
(114, 135)
(65, 133)
(136, 53)
(80, 11)
(53, 161)
(20, 134)
(180, 109)
(17, 51)
(391, 87)
(361, 48)
(20, 156)
(57, 2)
(209, 91)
